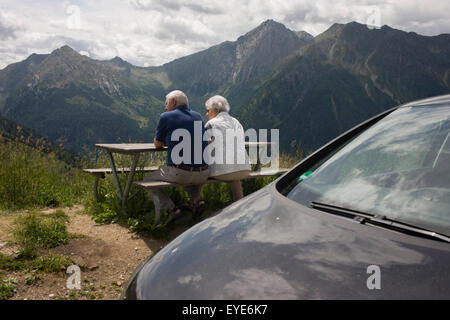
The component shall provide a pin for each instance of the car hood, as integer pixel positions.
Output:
(266, 246)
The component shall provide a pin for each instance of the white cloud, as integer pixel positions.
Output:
(8, 25)
(154, 32)
(198, 6)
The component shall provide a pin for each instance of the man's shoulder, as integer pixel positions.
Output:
(167, 114)
(170, 116)
(195, 114)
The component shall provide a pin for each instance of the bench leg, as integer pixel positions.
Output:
(95, 190)
(116, 178)
(97, 177)
(126, 191)
(157, 203)
(236, 189)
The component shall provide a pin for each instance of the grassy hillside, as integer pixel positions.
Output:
(32, 177)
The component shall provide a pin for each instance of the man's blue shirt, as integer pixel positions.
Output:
(182, 118)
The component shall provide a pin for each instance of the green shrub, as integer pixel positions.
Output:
(8, 288)
(217, 194)
(146, 225)
(31, 279)
(102, 213)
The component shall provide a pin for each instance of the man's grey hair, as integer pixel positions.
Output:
(219, 103)
(179, 96)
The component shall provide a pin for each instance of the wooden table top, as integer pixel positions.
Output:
(129, 148)
(133, 148)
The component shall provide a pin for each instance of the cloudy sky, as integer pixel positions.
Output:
(152, 32)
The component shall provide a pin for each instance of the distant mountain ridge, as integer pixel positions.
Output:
(65, 95)
(346, 75)
(72, 97)
(312, 88)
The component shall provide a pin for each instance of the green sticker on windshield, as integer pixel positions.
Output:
(305, 176)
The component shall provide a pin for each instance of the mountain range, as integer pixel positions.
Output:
(348, 74)
(311, 88)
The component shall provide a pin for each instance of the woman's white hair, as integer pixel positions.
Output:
(217, 102)
(179, 96)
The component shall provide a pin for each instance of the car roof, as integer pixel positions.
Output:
(428, 101)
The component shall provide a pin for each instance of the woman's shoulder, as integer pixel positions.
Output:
(224, 120)
(236, 122)
(212, 122)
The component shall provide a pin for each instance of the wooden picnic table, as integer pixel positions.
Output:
(135, 150)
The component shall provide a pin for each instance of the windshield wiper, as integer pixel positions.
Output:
(345, 212)
(379, 220)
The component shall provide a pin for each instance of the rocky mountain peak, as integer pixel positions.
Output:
(269, 23)
(120, 62)
(262, 48)
(353, 30)
(65, 51)
(303, 35)
(332, 32)
(268, 26)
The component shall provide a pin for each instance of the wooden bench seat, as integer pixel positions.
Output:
(100, 173)
(148, 186)
(252, 175)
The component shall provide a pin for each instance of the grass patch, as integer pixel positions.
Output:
(11, 263)
(51, 263)
(47, 263)
(37, 230)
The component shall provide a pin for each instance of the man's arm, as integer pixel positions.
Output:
(158, 144)
(161, 130)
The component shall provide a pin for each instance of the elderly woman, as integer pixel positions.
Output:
(230, 161)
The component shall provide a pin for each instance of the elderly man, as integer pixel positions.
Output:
(185, 165)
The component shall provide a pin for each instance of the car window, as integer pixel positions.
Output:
(399, 167)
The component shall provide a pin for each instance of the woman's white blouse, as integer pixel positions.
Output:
(220, 132)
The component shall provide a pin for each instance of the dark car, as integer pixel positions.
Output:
(367, 216)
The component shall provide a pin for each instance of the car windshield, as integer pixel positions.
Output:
(399, 168)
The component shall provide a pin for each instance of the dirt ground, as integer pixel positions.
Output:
(109, 253)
